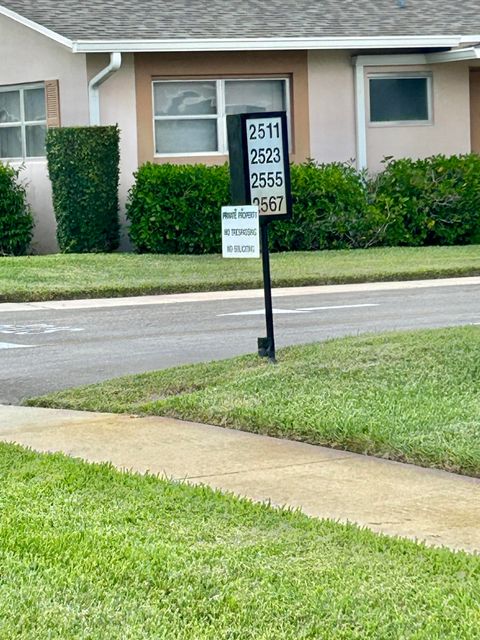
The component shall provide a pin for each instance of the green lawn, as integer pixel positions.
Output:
(94, 275)
(412, 396)
(89, 552)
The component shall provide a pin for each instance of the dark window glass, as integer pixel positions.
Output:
(398, 99)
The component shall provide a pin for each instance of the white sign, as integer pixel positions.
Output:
(240, 232)
(266, 165)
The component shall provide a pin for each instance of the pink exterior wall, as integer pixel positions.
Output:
(332, 113)
(449, 132)
(25, 57)
(331, 105)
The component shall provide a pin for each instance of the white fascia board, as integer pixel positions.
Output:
(390, 60)
(454, 55)
(474, 39)
(36, 27)
(263, 44)
(457, 55)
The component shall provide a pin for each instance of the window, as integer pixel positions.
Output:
(190, 115)
(23, 122)
(404, 99)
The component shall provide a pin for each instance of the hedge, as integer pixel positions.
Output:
(176, 208)
(16, 221)
(330, 210)
(83, 164)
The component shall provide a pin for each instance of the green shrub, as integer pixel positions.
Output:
(331, 210)
(431, 201)
(16, 221)
(176, 208)
(83, 164)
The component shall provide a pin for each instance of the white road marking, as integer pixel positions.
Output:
(340, 306)
(35, 329)
(11, 345)
(260, 312)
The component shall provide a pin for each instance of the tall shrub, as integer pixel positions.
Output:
(176, 208)
(435, 200)
(83, 164)
(16, 221)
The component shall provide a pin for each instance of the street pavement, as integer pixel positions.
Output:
(54, 345)
(439, 508)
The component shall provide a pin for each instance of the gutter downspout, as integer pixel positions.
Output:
(360, 115)
(94, 84)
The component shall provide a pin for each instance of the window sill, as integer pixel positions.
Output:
(401, 123)
(20, 161)
(200, 154)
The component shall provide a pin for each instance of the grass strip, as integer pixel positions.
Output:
(89, 552)
(410, 396)
(36, 278)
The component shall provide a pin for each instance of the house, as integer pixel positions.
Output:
(359, 79)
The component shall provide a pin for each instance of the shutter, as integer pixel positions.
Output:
(52, 99)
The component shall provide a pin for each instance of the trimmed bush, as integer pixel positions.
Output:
(83, 164)
(176, 208)
(431, 201)
(331, 210)
(16, 221)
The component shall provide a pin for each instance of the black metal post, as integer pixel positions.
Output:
(266, 346)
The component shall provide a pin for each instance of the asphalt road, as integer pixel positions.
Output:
(46, 349)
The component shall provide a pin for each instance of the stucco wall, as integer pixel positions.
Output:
(26, 56)
(449, 132)
(118, 106)
(292, 64)
(475, 108)
(331, 105)
(332, 113)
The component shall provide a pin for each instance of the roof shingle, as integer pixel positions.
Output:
(181, 19)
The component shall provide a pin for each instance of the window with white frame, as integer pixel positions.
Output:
(400, 98)
(23, 122)
(190, 115)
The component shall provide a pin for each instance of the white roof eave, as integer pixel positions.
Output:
(266, 44)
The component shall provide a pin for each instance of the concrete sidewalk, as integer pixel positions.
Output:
(439, 508)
